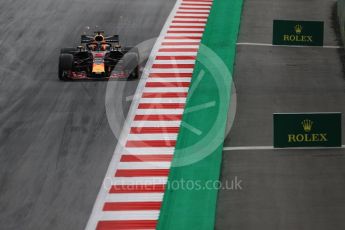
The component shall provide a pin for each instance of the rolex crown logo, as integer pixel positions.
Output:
(307, 125)
(298, 29)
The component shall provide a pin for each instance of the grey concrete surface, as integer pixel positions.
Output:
(55, 140)
(283, 189)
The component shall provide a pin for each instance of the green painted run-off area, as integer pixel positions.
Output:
(190, 198)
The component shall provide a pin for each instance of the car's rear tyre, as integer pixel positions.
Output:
(68, 50)
(131, 63)
(65, 66)
(135, 73)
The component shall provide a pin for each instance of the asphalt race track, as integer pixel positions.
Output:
(283, 189)
(55, 140)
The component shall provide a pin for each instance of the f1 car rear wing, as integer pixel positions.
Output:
(90, 38)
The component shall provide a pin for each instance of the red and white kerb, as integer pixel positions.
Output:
(139, 179)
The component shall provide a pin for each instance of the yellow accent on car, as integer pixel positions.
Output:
(98, 68)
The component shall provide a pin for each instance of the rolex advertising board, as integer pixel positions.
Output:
(307, 130)
(298, 33)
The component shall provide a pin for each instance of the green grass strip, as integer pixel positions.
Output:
(190, 198)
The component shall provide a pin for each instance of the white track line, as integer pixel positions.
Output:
(184, 34)
(205, 11)
(180, 46)
(157, 123)
(159, 136)
(267, 44)
(158, 112)
(168, 79)
(184, 18)
(186, 29)
(189, 24)
(173, 70)
(163, 100)
(166, 89)
(139, 180)
(129, 215)
(198, 2)
(134, 197)
(174, 62)
(191, 14)
(153, 151)
(182, 40)
(163, 53)
(237, 148)
(144, 165)
(195, 7)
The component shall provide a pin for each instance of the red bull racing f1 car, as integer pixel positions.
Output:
(99, 57)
